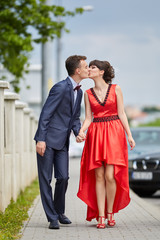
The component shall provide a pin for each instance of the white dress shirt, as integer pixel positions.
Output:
(74, 85)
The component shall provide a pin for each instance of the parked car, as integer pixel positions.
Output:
(144, 161)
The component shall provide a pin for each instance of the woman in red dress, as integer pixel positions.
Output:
(104, 184)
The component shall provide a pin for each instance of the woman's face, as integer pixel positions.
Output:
(95, 72)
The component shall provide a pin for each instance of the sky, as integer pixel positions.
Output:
(126, 33)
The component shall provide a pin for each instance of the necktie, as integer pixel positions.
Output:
(77, 87)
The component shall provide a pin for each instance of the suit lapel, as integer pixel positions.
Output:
(71, 92)
(77, 100)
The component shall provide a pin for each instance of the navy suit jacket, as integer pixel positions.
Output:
(59, 115)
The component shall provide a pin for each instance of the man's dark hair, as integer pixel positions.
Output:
(73, 62)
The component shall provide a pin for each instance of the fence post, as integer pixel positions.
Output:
(27, 145)
(20, 145)
(33, 147)
(10, 159)
(3, 85)
(34, 131)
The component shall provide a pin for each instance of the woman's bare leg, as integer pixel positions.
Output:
(110, 187)
(100, 189)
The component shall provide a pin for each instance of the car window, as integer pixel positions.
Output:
(146, 137)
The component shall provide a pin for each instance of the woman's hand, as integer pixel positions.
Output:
(81, 136)
(131, 142)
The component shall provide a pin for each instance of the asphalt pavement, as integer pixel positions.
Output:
(154, 199)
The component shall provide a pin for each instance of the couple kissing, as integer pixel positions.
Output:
(104, 184)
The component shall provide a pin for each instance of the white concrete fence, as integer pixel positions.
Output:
(18, 166)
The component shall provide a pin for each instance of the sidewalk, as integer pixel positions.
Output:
(139, 220)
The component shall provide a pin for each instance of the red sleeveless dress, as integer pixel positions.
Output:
(105, 142)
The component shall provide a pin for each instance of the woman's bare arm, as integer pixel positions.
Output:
(88, 119)
(123, 117)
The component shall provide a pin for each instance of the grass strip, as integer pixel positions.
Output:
(11, 221)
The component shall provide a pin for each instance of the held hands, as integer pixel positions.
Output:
(81, 137)
(131, 142)
(40, 148)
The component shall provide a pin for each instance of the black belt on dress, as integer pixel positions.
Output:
(106, 119)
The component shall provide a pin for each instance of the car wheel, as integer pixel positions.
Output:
(144, 193)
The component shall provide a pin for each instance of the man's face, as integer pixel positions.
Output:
(83, 69)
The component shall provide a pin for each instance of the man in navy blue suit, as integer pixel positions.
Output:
(60, 115)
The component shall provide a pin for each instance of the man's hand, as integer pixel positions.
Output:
(81, 137)
(41, 148)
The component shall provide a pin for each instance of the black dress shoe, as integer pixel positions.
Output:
(63, 219)
(54, 225)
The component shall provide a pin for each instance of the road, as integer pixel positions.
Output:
(155, 199)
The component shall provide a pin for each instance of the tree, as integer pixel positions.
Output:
(16, 42)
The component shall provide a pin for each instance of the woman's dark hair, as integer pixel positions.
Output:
(72, 63)
(106, 66)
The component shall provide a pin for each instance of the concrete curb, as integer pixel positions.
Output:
(30, 213)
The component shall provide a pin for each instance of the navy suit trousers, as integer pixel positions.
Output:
(59, 160)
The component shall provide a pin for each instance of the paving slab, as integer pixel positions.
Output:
(139, 220)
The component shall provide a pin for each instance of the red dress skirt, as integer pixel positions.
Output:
(105, 144)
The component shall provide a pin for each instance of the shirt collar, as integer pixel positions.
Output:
(73, 82)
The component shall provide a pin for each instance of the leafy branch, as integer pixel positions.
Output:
(16, 41)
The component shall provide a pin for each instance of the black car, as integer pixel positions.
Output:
(144, 161)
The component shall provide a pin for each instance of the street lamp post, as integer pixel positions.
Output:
(58, 48)
(46, 66)
(46, 69)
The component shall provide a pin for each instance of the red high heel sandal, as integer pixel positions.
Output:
(111, 222)
(100, 224)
